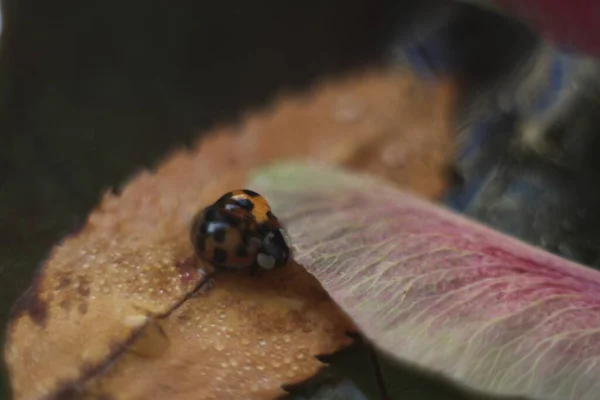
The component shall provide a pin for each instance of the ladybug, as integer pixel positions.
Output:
(239, 231)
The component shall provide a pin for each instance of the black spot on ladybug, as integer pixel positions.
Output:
(204, 228)
(246, 238)
(251, 193)
(219, 256)
(270, 215)
(219, 235)
(223, 198)
(232, 220)
(241, 251)
(200, 243)
(246, 204)
(210, 215)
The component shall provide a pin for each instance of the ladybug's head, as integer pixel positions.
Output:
(275, 250)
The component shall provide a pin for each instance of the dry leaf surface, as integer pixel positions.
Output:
(117, 282)
(438, 290)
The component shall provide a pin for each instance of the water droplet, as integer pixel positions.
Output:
(224, 364)
(294, 367)
(245, 341)
(287, 360)
(347, 110)
(219, 346)
(135, 320)
(299, 356)
(233, 363)
(287, 339)
(260, 367)
(222, 316)
(262, 342)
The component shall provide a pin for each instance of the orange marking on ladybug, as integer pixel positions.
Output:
(250, 201)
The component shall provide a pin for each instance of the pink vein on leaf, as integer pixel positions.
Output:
(440, 291)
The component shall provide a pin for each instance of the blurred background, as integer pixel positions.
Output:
(91, 92)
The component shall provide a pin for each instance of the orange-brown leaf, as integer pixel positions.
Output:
(116, 284)
(242, 339)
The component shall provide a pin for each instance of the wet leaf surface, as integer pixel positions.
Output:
(241, 339)
(439, 291)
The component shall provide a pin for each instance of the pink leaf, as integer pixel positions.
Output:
(440, 291)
